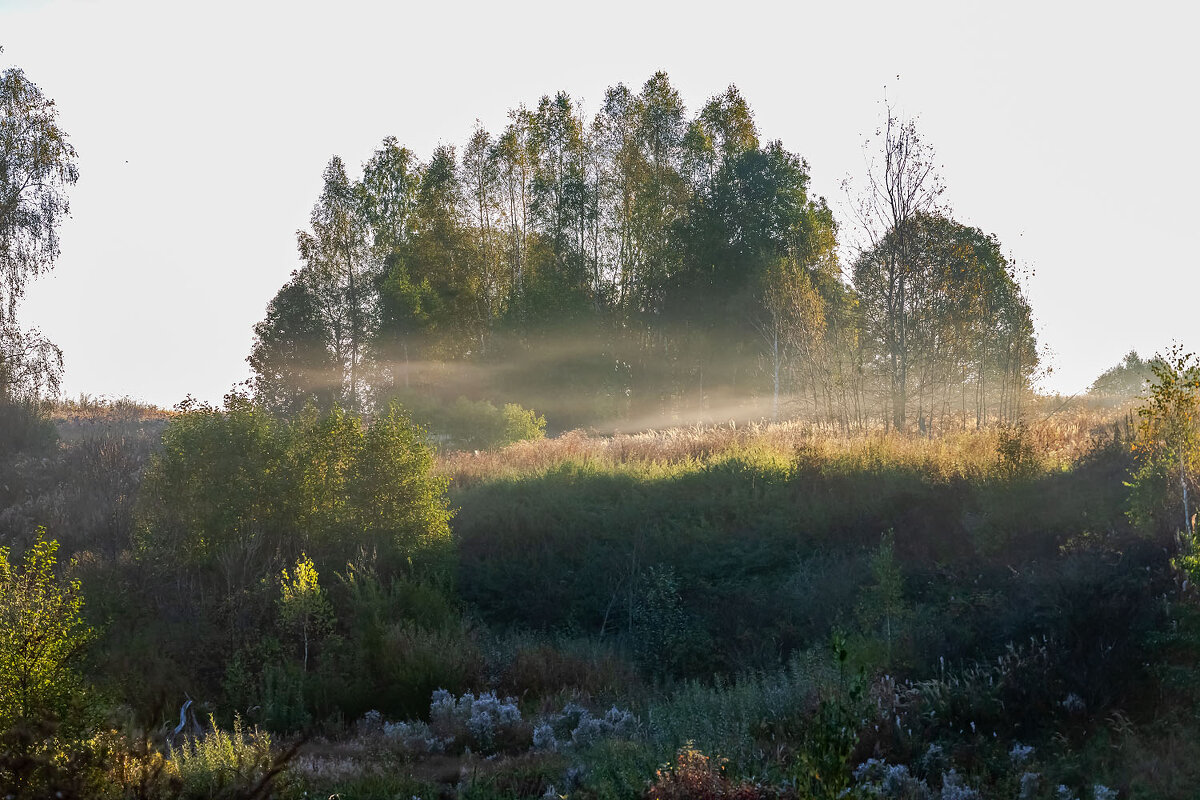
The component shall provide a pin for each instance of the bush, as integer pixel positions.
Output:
(1168, 447)
(42, 636)
(695, 776)
(522, 424)
(475, 424)
(219, 764)
(241, 490)
(24, 428)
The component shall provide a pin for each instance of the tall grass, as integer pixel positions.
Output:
(733, 718)
(238, 763)
(1059, 438)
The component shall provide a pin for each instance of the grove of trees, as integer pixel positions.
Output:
(646, 264)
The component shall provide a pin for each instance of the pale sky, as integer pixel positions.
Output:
(1069, 130)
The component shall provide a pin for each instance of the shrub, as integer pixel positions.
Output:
(395, 668)
(1015, 454)
(475, 424)
(236, 488)
(486, 724)
(1168, 446)
(42, 636)
(219, 764)
(695, 776)
(539, 670)
(25, 427)
(303, 604)
(522, 424)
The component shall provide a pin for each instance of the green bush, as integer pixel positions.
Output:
(1168, 447)
(236, 764)
(244, 492)
(474, 424)
(42, 637)
(521, 424)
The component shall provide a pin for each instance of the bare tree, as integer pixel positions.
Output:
(902, 184)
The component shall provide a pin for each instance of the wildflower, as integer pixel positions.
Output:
(1074, 704)
(1029, 786)
(543, 738)
(953, 787)
(1020, 753)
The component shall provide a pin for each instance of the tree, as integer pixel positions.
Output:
(303, 605)
(42, 636)
(515, 155)
(900, 187)
(952, 314)
(883, 607)
(749, 215)
(337, 260)
(1168, 445)
(37, 164)
(481, 187)
(1124, 381)
(291, 361)
(563, 207)
(791, 322)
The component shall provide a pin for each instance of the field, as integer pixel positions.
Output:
(757, 610)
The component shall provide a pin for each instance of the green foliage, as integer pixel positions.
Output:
(238, 763)
(1015, 454)
(303, 606)
(738, 717)
(640, 264)
(883, 610)
(1168, 446)
(473, 424)
(290, 362)
(826, 744)
(778, 537)
(521, 424)
(214, 486)
(236, 488)
(42, 637)
(618, 769)
(242, 509)
(932, 285)
(37, 164)
(666, 641)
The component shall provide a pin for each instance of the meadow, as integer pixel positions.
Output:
(747, 610)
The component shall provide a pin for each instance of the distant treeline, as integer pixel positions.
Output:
(645, 265)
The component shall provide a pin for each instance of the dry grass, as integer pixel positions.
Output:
(1057, 434)
(87, 417)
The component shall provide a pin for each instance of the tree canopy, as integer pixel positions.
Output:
(37, 164)
(646, 263)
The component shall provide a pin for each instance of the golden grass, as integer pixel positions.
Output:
(87, 416)
(1058, 436)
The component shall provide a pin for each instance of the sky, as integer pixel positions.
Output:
(1068, 130)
